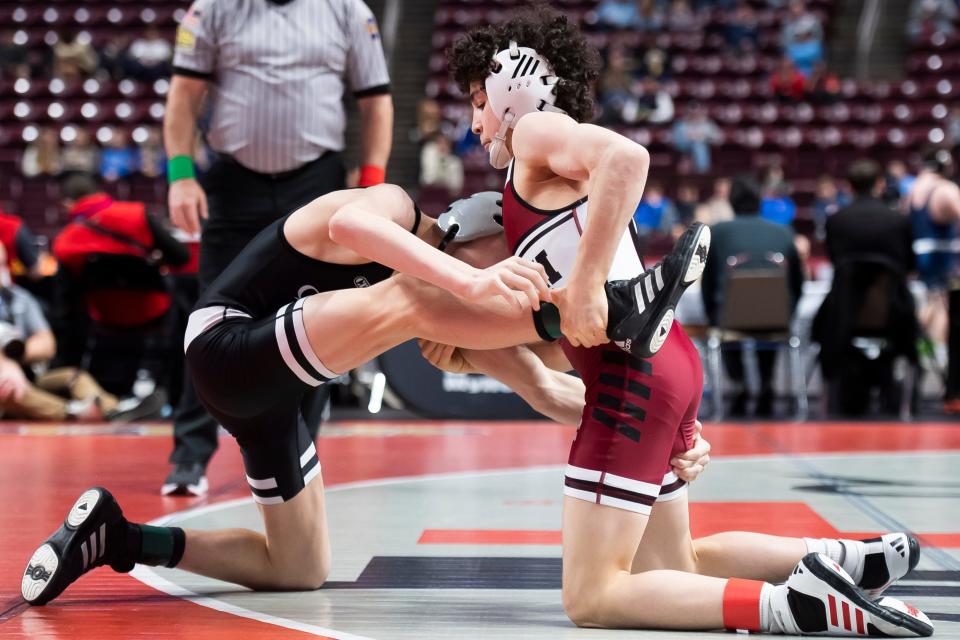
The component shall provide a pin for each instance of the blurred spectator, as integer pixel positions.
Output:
(934, 209)
(618, 14)
(823, 86)
(42, 156)
(72, 58)
(745, 51)
(928, 17)
(681, 17)
(101, 225)
(616, 87)
(788, 84)
(694, 134)
(688, 199)
(742, 26)
(800, 21)
(656, 212)
(439, 167)
(80, 155)
(429, 120)
(27, 391)
(651, 16)
(898, 184)
(953, 129)
(866, 229)
(151, 157)
(118, 158)
(12, 54)
(148, 57)
(113, 56)
(829, 200)
(747, 236)
(717, 207)
(774, 179)
(805, 51)
(21, 248)
(777, 205)
(654, 60)
(653, 103)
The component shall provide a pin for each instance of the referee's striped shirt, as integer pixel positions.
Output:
(277, 71)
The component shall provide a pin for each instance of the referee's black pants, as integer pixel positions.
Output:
(240, 204)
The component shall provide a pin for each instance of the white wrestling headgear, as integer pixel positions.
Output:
(521, 82)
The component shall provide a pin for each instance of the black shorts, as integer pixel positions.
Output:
(251, 375)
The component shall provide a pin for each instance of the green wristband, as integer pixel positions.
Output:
(180, 168)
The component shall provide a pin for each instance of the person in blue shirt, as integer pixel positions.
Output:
(655, 211)
(118, 158)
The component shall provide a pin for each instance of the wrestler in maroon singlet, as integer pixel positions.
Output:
(638, 413)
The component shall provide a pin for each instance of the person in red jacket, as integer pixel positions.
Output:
(23, 255)
(101, 225)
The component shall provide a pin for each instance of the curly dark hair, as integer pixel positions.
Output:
(574, 61)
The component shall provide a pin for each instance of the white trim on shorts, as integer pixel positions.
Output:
(647, 493)
(203, 320)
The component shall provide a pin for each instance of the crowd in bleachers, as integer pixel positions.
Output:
(718, 87)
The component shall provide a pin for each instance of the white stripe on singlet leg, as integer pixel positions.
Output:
(287, 354)
(309, 453)
(263, 485)
(313, 473)
(301, 330)
(637, 486)
(626, 505)
(579, 473)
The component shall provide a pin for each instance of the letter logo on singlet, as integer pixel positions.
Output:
(306, 290)
(360, 282)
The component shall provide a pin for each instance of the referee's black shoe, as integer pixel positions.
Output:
(642, 309)
(94, 534)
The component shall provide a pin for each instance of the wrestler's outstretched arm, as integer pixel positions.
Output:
(375, 224)
(535, 373)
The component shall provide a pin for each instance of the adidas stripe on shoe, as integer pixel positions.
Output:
(820, 598)
(642, 309)
(90, 536)
(873, 564)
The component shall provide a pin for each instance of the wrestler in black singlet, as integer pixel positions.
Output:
(251, 361)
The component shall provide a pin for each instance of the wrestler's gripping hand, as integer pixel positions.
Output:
(689, 465)
(515, 280)
(583, 314)
(445, 357)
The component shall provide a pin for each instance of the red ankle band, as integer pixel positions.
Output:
(741, 604)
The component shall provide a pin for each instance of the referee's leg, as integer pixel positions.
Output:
(238, 207)
(194, 430)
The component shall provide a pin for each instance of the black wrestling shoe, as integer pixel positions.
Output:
(93, 535)
(186, 479)
(134, 408)
(641, 310)
(820, 598)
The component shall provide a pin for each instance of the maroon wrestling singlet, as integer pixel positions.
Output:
(638, 413)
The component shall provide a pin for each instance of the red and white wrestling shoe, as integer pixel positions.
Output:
(820, 598)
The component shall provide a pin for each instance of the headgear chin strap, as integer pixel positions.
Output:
(500, 155)
(521, 82)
